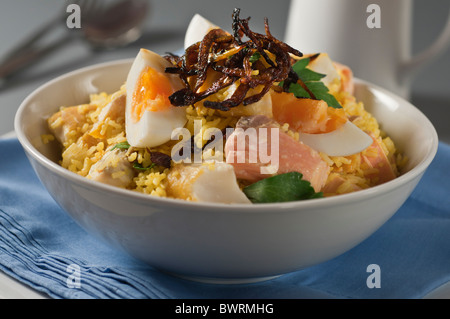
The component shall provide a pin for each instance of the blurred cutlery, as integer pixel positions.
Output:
(103, 26)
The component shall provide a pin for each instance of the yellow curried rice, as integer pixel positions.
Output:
(87, 142)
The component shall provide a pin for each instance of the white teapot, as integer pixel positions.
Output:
(373, 37)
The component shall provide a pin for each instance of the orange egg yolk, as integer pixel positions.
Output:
(151, 93)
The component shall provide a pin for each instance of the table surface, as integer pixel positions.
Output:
(164, 32)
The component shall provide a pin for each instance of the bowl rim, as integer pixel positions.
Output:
(250, 208)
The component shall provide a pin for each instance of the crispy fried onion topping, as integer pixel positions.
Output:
(261, 60)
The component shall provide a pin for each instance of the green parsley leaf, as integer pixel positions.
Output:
(255, 57)
(123, 145)
(312, 81)
(281, 188)
(308, 75)
(298, 91)
(320, 91)
(300, 65)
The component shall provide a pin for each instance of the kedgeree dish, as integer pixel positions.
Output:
(239, 117)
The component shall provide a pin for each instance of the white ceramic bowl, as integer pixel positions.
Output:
(215, 241)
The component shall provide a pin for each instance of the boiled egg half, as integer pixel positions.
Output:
(346, 140)
(149, 116)
(197, 29)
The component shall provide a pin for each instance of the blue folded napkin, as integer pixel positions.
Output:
(43, 248)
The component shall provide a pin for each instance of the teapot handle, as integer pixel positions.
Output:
(415, 63)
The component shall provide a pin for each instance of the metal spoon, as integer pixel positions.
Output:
(103, 27)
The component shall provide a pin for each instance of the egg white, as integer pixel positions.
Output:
(218, 185)
(197, 29)
(324, 65)
(154, 127)
(346, 140)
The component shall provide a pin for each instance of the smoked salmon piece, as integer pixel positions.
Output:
(376, 158)
(347, 84)
(285, 153)
(333, 184)
(306, 115)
